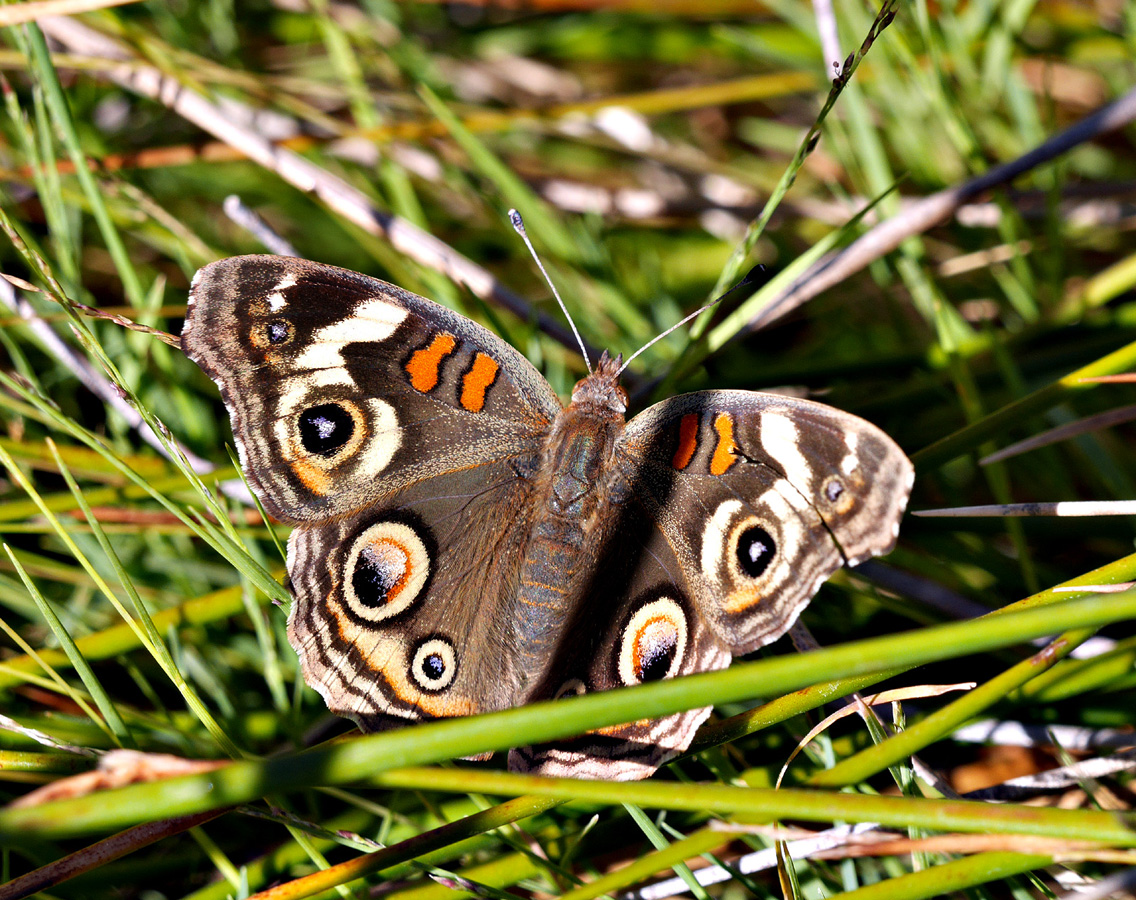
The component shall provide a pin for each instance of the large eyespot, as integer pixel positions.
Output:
(386, 569)
(380, 572)
(326, 428)
(320, 430)
(653, 643)
(735, 545)
(755, 550)
(435, 665)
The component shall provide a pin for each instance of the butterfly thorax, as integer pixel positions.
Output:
(574, 489)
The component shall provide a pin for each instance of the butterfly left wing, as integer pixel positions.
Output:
(401, 439)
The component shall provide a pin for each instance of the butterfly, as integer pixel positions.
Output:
(464, 542)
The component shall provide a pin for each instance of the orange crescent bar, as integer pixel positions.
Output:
(477, 381)
(687, 441)
(425, 365)
(724, 453)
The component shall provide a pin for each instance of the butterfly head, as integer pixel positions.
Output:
(601, 390)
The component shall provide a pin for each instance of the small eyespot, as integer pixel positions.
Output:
(435, 665)
(278, 331)
(324, 429)
(573, 687)
(756, 550)
(833, 490)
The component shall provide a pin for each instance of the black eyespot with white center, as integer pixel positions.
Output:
(656, 653)
(381, 570)
(385, 570)
(653, 643)
(324, 429)
(278, 331)
(756, 550)
(434, 665)
(833, 490)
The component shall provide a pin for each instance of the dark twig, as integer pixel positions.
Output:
(925, 214)
(100, 853)
(97, 383)
(1063, 433)
(93, 312)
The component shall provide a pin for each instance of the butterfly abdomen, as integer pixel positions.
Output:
(573, 488)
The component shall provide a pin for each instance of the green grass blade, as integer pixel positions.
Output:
(61, 115)
(361, 757)
(942, 880)
(102, 700)
(665, 850)
(998, 422)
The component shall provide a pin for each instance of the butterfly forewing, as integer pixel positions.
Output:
(344, 389)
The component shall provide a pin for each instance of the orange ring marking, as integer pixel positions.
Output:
(636, 651)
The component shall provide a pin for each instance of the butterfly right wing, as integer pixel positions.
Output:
(638, 622)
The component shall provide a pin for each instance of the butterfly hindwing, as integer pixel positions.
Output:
(639, 624)
(390, 618)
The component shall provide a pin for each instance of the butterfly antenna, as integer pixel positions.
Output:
(750, 281)
(519, 226)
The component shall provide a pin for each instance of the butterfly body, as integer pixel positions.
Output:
(464, 542)
(576, 488)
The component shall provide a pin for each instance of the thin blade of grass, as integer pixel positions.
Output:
(117, 727)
